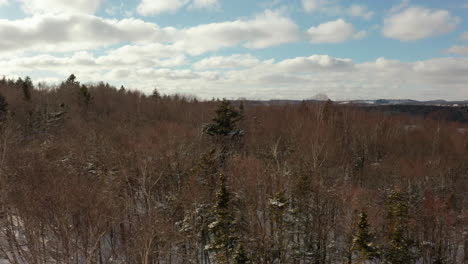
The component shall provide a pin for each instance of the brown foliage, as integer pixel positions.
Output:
(129, 178)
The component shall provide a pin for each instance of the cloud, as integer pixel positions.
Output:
(332, 8)
(227, 62)
(360, 11)
(464, 36)
(151, 7)
(60, 6)
(255, 33)
(265, 30)
(463, 50)
(244, 75)
(402, 5)
(210, 4)
(333, 32)
(67, 32)
(154, 7)
(71, 32)
(4, 3)
(315, 62)
(416, 23)
(313, 5)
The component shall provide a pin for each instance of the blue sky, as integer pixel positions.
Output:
(265, 49)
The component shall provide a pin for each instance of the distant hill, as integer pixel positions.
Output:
(406, 102)
(437, 112)
(434, 109)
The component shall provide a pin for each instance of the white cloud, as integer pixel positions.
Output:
(60, 6)
(295, 78)
(210, 4)
(313, 5)
(402, 5)
(4, 3)
(65, 32)
(315, 62)
(333, 32)
(333, 8)
(463, 50)
(360, 11)
(229, 62)
(464, 36)
(154, 7)
(70, 32)
(151, 7)
(416, 23)
(265, 30)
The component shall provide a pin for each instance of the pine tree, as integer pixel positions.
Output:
(363, 240)
(223, 228)
(72, 80)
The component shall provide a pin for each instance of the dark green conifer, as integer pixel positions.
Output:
(85, 94)
(223, 227)
(27, 86)
(3, 107)
(156, 94)
(399, 250)
(224, 123)
(240, 255)
(72, 80)
(363, 240)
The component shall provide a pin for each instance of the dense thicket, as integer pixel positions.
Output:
(92, 174)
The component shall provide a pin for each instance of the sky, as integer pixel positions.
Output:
(254, 49)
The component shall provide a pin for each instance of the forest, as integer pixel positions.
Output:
(91, 173)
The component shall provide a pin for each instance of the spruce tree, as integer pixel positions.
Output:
(27, 86)
(85, 94)
(223, 227)
(240, 255)
(156, 94)
(3, 107)
(363, 240)
(224, 123)
(399, 249)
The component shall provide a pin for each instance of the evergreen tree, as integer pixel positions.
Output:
(399, 249)
(156, 94)
(363, 240)
(3, 107)
(27, 86)
(223, 227)
(72, 80)
(224, 123)
(240, 255)
(85, 94)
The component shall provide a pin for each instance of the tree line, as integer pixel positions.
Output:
(91, 173)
